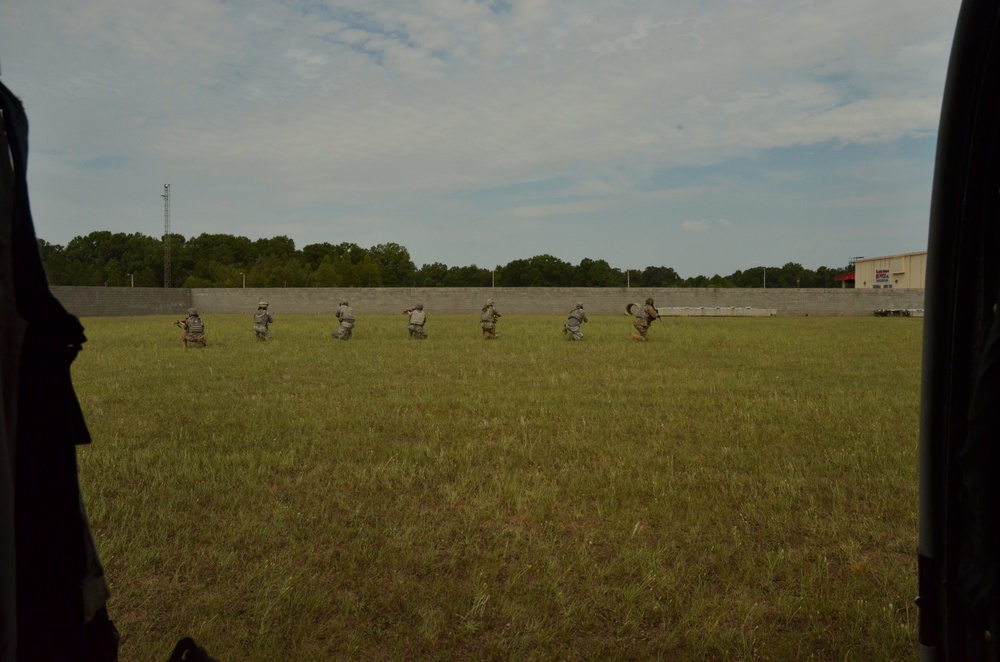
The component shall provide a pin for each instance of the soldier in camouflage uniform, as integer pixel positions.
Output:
(192, 329)
(260, 321)
(488, 320)
(644, 316)
(418, 318)
(572, 327)
(346, 316)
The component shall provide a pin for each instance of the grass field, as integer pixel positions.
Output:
(734, 489)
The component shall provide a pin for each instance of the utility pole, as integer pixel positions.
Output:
(166, 235)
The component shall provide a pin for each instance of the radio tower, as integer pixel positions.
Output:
(166, 235)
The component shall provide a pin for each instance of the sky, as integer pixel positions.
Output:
(704, 135)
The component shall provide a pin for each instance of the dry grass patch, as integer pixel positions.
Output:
(734, 489)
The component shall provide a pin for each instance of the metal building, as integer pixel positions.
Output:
(891, 272)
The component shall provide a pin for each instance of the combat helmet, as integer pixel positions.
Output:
(649, 301)
(419, 306)
(193, 311)
(262, 304)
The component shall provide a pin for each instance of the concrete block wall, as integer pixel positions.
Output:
(550, 300)
(816, 302)
(122, 301)
(716, 312)
(100, 301)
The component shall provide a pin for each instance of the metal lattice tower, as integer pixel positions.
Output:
(166, 235)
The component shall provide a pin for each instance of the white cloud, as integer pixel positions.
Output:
(259, 110)
(695, 226)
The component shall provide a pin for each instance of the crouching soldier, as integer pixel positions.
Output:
(572, 327)
(415, 327)
(644, 316)
(261, 319)
(346, 316)
(192, 329)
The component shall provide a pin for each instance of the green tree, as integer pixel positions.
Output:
(538, 271)
(597, 273)
(697, 281)
(551, 271)
(218, 260)
(658, 277)
(326, 274)
(54, 259)
(471, 276)
(719, 281)
(432, 275)
(350, 253)
(197, 281)
(364, 274)
(395, 266)
(103, 257)
(182, 261)
(237, 252)
(292, 274)
(755, 277)
(516, 273)
(789, 275)
(315, 254)
(280, 247)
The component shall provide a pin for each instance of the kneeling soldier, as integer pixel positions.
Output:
(572, 327)
(346, 316)
(418, 318)
(192, 329)
(644, 316)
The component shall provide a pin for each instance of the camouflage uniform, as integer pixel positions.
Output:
(488, 320)
(572, 326)
(346, 316)
(193, 329)
(418, 318)
(260, 321)
(643, 318)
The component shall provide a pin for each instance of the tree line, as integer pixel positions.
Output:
(103, 258)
